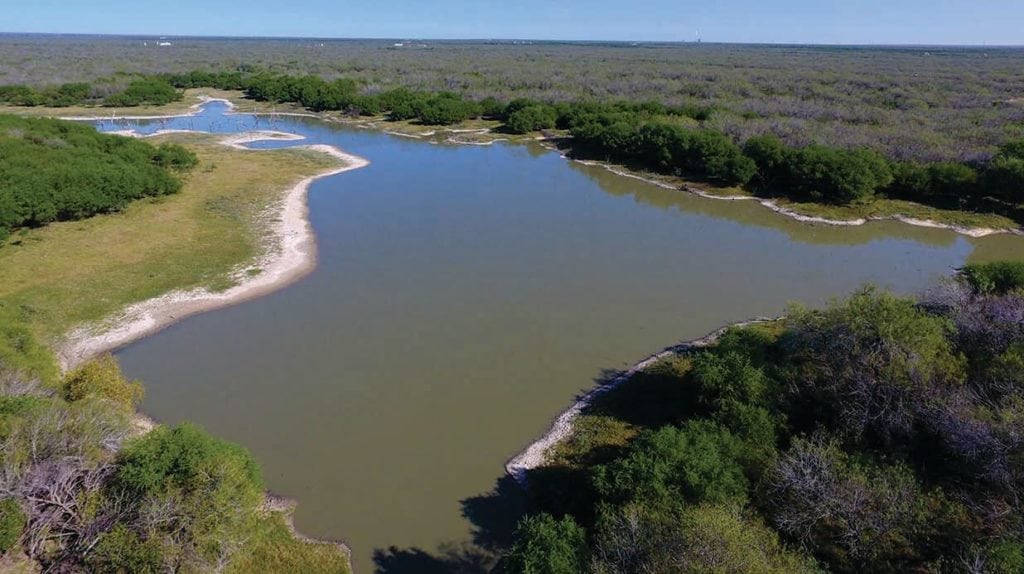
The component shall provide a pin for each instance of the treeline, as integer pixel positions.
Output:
(53, 170)
(669, 140)
(880, 434)
(83, 489)
(812, 173)
(650, 135)
(150, 90)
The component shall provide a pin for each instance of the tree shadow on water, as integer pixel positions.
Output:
(448, 559)
(493, 516)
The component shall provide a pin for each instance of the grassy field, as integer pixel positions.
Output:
(273, 548)
(68, 273)
(881, 208)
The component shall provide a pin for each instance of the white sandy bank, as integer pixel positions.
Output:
(535, 454)
(290, 254)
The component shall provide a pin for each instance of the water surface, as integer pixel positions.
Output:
(463, 296)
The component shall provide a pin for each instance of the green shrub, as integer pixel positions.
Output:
(54, 170)
(209, 489)
(531, 118)
(720, 536)
(1004, 178)
(695, 463)
(174, 156)
(1006, 557)
(20, 352)
(996, 278)
(729, 376)
(152, 91)
(187, 459)
(545, 545)
(446, 109)
(770, 156)
(102, 378)
(837, 176)
(12, 523)
(122, 551)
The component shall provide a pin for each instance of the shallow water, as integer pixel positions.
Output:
(463, 296)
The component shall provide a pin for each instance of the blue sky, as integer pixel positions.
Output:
(798, 21)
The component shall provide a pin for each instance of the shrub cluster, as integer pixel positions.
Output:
(54, 170)
(60, 96)
(83, 489)
(880, 434)
(145, 90)
(152, 91)
(671, 139)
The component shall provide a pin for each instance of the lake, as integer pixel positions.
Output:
(464, 295)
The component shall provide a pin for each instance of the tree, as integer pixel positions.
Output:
(197, 494)
(1004, 178)
(865, 367)
(837, 176)
(994, 278)
(446, 109)
(55, 170)
(693, 463)
(531, 118)
(770, 156)
(705, 538)
(149, 91)
(545, 545)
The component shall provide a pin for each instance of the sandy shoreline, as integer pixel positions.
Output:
(290, 255)
(535, 454)
(765, 202)
(772, 205)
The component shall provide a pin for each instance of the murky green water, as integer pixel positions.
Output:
(463, 296)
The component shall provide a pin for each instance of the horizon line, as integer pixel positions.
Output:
(508, 39)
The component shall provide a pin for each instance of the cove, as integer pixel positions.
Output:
(463, 296)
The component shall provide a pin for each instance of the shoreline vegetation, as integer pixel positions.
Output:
(289, 255)
(819, 180)
(488, 132)
(535, 454)
(794, 444)
(296, 256)
(280, 250)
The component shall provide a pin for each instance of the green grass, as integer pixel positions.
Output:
(273, 549)
(893, 207)
(648, 399)
(68, 273)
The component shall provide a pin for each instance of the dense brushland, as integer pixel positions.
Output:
(706, 139)
(81, 487)
(52, 171)
(880, 434)
(914, 103)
